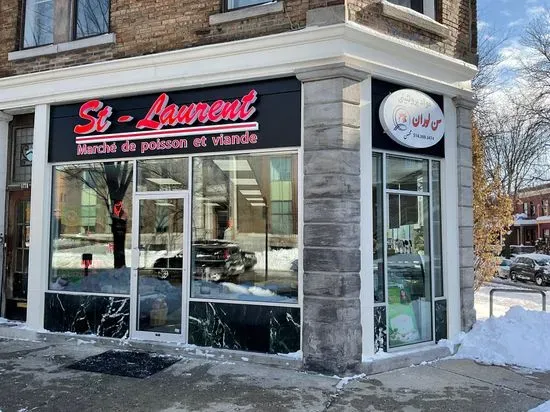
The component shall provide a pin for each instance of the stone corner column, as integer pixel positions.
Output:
(332, 337)
(464, 108)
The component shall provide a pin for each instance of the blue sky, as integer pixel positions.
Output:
(506, 19)
(508, 15)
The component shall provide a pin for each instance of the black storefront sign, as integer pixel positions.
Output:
(246, 116)
(380, 140)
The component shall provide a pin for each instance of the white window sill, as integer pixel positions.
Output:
(247, 12)
(62, 47)
(414, 18)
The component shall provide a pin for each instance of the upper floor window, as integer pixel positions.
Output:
(44, 23)
(237, 4)
(426, 7)
(38, 26)
(417, 5)
(92, 18)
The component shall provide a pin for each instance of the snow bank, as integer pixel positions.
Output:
(545, 407)
(520, 338)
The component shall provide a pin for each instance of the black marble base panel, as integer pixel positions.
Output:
(440, 320)
(107, 316)
(380, 329)
(266, 329)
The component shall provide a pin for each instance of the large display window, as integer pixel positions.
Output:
(91, 228)
(245, 228)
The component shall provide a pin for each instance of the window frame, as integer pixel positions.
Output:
(226, 5)
(74, 19)
(428, 8)
(14, 155)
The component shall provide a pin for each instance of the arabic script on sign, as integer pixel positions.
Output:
(412, 119)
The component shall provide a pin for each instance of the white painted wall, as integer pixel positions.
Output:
(449, 193)
(41, 186)
(367, 280)
(4, 133)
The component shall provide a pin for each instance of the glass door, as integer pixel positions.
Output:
(159, 267)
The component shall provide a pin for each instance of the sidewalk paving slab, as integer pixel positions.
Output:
(34, 377)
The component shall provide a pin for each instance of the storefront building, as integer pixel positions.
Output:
(307, 192)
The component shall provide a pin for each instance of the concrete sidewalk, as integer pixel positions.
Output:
(34, 377)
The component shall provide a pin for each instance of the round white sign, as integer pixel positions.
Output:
(412, 119)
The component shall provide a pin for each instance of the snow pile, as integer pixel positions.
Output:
(520, 338)
(344, 381)
(545, 407)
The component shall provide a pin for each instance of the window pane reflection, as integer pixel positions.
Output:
(237, 4)
(407, 174)
(38, 23)
(245, 228)
(161, 259)
(91, 228)
(92, 17)
(378, 228)
(162, 175)
(409, 278)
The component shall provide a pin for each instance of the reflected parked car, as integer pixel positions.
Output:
(503, 270)
(533, 267)
(215, 260)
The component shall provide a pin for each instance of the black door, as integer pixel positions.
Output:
(17, 255)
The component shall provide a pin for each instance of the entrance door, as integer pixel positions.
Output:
(17, 255)
(159, 267)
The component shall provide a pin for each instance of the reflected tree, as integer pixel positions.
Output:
(110, 182)
(92, 17)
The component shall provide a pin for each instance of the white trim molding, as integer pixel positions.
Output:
(264, 57)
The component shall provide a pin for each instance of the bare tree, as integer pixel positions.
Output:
(509, 116)
(536, 67)
(515, 142)
(488, 79)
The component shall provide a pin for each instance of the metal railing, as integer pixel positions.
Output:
(491, 293)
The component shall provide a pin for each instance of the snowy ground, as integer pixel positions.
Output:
(518, 334)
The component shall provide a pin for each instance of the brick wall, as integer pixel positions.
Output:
(458, 15)
(537, 199)
(152, 27)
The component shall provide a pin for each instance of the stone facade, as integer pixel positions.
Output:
(164, 25)
(465, 211)
(332, 193)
